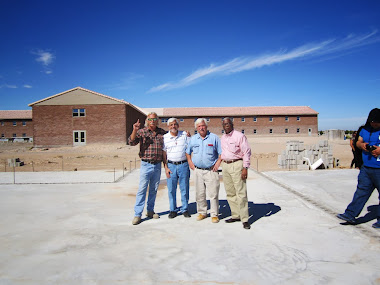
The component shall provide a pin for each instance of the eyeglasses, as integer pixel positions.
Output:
(152, 119)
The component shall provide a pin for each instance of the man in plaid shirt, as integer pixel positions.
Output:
(151, 143)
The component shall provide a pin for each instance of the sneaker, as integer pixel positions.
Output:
(136, 220)
(215, 220)
(186, 214)
(376, 225)
(172, 215)
(201, 217)
(246, 225)
(346, 218)
(152, 214)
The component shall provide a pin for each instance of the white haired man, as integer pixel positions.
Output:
(151, 139)
(176, 167)
(236, 156)
(203, 154)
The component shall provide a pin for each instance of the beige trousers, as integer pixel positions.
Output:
(207, 180)
(236, 190)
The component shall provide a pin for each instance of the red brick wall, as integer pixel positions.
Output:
(131, 118)
(54, 125)
(262, 125)
(8, 129)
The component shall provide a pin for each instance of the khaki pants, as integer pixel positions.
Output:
(207, 180)
(236, 190)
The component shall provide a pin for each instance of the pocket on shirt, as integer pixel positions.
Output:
(195, 149)
(233, 148)
(210, 150)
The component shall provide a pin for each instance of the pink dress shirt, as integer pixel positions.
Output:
(235, 146)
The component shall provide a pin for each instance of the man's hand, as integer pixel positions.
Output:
(136, 126)
(167, 171)
(216, 165)
(244, 174)
(376, 152)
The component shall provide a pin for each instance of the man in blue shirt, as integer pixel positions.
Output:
(369, 176)
(204, 157)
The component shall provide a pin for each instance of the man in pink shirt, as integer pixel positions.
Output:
(236, 155)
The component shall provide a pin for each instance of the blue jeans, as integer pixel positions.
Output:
(368, 180)
(180, 173)
(149, 176)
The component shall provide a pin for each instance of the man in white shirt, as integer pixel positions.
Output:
(176, 167)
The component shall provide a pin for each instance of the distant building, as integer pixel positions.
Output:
(259, 121)
(16, 126)
(80, 116)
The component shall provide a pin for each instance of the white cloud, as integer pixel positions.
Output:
(127, 82)
(331, 46)
(8, 86)
(44, 57)
(27, 86)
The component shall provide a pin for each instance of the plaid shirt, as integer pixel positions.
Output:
(151, 143)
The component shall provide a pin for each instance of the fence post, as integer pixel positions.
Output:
(32, 165)
(123, 169)
(14, 175)
(114, 174)
(130, 166)
(257, 164)
(135, 162)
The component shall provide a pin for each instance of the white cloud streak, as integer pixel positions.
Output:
(8, 86)
(44, 57)
(240, 64)
(27, 86)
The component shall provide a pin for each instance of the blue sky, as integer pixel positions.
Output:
(206, 53)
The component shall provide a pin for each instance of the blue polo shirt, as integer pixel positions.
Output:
(372, 137)
(205, 152)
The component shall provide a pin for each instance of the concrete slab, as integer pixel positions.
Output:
(82, 234)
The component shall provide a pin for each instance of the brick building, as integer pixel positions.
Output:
(260, 121)
(80, 116)
(16, 126)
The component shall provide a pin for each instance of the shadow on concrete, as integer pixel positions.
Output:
(255, 211)
(372, 214)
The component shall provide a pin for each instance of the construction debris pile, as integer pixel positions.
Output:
(297, 156)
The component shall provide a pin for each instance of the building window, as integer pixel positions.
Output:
(24, 135)
(242, 131)
(2, 135)
(270, 119)
(298, 118)
(2, 123)
(286, 131)
(181, 120)
(298, 130)
(164, 120)
(208, 120)
(254, 131)
(14, 123)
(195, 132)
(270, 131)
(24, 123)
(79, 112)
(255, 119)
(14, 135)
(222, 131)
(286, 118)
(242, 119)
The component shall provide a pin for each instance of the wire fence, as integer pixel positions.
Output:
(17, 172)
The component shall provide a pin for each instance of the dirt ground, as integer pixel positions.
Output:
(265, 151)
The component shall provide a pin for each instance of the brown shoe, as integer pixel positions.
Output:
(215, 220)
(232, 220)
(152, 215)
(136, 220)
(201, 217)
(246, 225)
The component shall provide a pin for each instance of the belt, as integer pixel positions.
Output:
(177, 162)
(231, 161)
(151, 161)
(210, 168)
